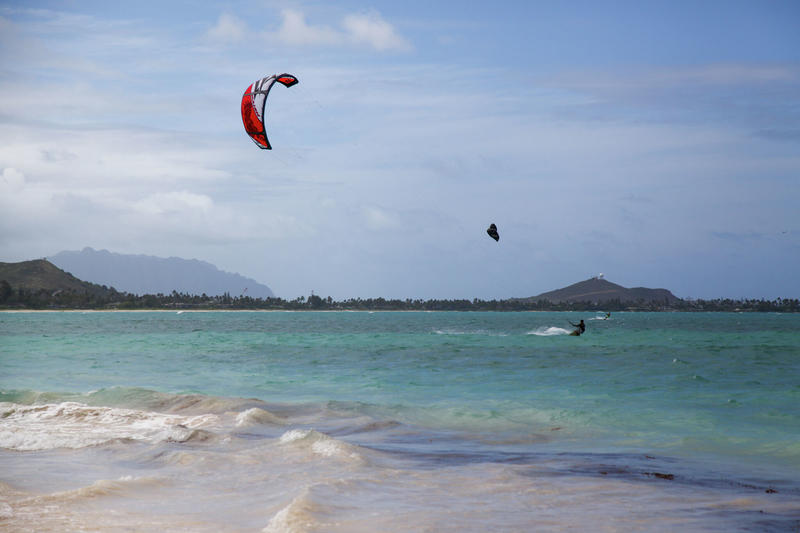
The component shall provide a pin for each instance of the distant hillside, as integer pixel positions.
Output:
(41, 274)
(143, 274)
(599, 290)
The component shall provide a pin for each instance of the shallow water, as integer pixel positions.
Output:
(338, 421)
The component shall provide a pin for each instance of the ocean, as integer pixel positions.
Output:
(399, 422)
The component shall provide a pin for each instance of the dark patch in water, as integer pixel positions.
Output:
(660, 475)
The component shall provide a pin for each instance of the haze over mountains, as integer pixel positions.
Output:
(89, 270)
(143, 274)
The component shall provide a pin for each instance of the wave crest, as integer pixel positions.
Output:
(321, 444)
(76, 425)
(257, 416)
(297, 517)
(549, 331)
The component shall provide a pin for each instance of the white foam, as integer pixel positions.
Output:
(255, 416)
(321, 444)
(294, 518)
(549, 331)
(469, 332)
(76, 425)
(294, 435)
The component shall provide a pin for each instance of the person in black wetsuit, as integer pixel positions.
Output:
(581, 328)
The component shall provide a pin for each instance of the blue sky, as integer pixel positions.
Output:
(655, 142)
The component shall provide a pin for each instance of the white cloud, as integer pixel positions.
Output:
(174, 203)
(371, 29)
(12, 180)
(379, 219)
(229, 29)
(368, 29)
(294, 30)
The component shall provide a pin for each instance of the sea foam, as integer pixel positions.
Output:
(297, 517)
(549, 331)
(76, 425)
(321, 444)
(258, 416)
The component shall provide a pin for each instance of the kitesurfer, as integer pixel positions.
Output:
(580, 328)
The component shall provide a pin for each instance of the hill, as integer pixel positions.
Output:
(144, 274)
(40, 274)
(599, 290)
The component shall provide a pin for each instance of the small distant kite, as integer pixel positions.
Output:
(253, 102)
(492, 231)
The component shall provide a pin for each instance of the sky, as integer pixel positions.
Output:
(656, 142)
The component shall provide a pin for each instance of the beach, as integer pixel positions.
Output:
(407, 421)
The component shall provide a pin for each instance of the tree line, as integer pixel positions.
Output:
(109, 298)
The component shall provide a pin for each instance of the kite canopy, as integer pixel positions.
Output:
(492, 231)
(253, 102)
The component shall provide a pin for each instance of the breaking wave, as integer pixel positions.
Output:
(549, 331)
(257, 416)
(322, 445)
(297, 517)
(76, 425)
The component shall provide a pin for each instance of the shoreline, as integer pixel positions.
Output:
(572, 311)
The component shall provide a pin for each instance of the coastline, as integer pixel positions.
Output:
(355, 310)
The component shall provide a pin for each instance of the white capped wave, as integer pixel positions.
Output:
(297, 517)
(321, 444)
(257, 416)
(469, 332)
(77, 425)
(546, 331)
(137, 398)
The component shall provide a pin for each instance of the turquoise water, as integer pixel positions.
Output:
(696, 395)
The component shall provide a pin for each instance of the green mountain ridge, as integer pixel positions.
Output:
(599, 290)
(42, 275)
(39, 284)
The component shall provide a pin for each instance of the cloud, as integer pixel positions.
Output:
(12, 180)
(371, 29)
(294, 30)
(174, 203)
(377, 219)
(229, 29)
(368, 29)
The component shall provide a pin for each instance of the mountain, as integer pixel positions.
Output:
(600, 290)
(144, 274)
(42, 274)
